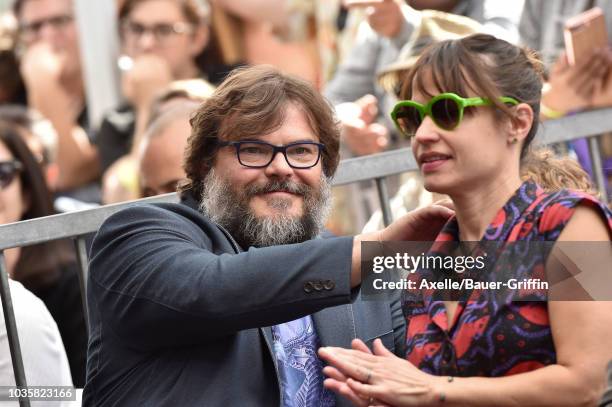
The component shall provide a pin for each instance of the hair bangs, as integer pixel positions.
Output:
(443, 68)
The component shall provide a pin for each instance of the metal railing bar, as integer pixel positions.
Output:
(597, 166)
(11, 329)
(350, 170)
(572, 127)
(65, 225)
(80, 246)
(383, 197)
(379, 165)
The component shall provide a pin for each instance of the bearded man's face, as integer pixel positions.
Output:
(276, 204)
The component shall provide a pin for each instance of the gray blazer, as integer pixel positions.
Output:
(179, 316)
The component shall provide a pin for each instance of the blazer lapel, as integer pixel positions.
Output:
(335, 326)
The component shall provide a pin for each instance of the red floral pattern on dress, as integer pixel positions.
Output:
(490, 337)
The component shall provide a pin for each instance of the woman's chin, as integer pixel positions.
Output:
(436, 186)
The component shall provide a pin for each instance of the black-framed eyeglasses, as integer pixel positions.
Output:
(161, 32)
(8, 170)
(31, 31)
(259, 154)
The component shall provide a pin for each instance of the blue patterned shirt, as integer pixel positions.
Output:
(300, 369)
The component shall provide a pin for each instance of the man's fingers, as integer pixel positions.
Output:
(369, 108)
(363, 141)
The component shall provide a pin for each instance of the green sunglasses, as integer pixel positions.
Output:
(445, 109)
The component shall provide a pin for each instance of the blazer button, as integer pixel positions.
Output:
(308, 287)
(329, 285)
(317, 285)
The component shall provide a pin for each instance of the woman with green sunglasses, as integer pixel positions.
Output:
(446, 111)
(470, 107)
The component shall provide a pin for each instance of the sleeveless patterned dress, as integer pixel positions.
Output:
(490, 337)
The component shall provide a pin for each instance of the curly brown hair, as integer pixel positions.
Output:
(554, 173)
(252, 102)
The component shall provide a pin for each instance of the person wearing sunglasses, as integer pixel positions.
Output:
(44, 357)
(470, 109)
(47, 270)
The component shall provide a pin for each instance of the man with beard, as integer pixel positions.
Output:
(227, 305)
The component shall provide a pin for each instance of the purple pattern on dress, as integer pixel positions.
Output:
(495, 336)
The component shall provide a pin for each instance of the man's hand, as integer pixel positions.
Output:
(419, 225)
(51, 92)
(43, 71)
(149, 75)
(572, 87)
(384, 16)
(40, 65)
(361, 134)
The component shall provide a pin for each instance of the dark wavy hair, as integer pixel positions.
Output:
(39, 264)
(251, 102)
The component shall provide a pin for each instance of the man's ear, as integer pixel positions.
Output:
(200, 38)
(521, 123)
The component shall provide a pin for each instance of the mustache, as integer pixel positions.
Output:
(276, 186)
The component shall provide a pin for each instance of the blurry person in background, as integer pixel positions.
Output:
(190, 93)
(42, 350)
(51, 70)
(569, 89)
(179, 92)
(49, 269)
(162, 149)
(39, 135)
(12, 89)
(361, 103)
(306, 38)
(162, 41)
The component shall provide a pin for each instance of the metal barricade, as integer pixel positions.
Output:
(374, 168)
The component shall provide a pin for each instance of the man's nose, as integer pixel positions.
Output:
(48, 34)
(147, 41)
(279, 166)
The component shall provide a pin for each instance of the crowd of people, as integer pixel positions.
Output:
(249, 291)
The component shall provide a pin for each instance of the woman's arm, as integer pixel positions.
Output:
(582, 332)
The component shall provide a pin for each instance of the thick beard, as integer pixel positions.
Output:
(230, 209)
